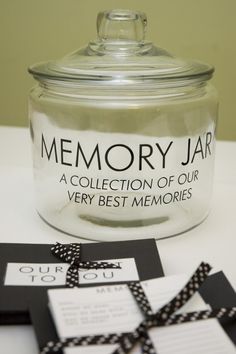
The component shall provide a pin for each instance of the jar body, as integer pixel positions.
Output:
(112, 167)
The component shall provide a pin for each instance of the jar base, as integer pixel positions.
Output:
(143, 233)
(124, 223)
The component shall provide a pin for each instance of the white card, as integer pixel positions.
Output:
(112, 309)
(53, 274)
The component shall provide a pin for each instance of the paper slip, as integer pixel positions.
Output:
(112, 309)
(54, 274)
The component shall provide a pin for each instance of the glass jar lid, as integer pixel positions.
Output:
(120, 56)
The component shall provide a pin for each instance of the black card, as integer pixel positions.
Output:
(218, 292)
(36, 264)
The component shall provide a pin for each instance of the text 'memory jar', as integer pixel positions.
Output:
(123, 136)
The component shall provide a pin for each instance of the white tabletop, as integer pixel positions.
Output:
(213, 241)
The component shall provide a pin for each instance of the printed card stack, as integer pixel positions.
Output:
(112, 309)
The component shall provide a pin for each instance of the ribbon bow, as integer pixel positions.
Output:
(72, 254)
(164, 317)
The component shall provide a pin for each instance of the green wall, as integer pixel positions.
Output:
(36, 30)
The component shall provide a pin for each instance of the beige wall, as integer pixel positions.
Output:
(36, 30)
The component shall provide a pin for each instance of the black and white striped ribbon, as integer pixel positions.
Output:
(164, 317)
(72, 254)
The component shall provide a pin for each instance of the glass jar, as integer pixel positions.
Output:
(123, 136)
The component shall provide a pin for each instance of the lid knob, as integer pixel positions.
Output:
(121, 25)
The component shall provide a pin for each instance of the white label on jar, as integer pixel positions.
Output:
(52, 274)
(120, 177)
